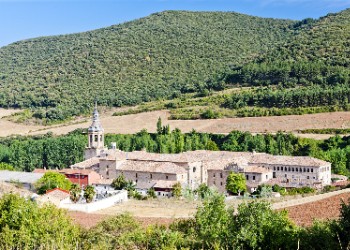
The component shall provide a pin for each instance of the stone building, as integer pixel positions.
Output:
(190, 169)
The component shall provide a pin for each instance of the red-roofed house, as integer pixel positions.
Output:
(83, 177)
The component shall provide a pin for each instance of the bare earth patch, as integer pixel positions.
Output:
(165, 208)
(165, 211)
(326, 209)
(130, 124)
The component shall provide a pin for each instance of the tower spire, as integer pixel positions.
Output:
(95, 136)
(96, 125)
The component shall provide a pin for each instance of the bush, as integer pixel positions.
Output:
(25, 225)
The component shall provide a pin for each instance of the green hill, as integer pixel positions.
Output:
(319, 53)
(159, 56)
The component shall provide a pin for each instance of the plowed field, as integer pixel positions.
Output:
(302, 215)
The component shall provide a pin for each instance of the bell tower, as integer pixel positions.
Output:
(95, 137)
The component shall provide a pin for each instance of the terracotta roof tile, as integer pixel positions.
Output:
(151, 166)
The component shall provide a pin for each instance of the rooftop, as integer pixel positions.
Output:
(151, 166)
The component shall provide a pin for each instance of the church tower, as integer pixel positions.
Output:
(95, 137)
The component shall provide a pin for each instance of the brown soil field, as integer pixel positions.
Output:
(163, 212)
(129, 124)
(89, 220)
(326, 209)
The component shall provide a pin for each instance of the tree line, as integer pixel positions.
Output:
(313, 96)
(252, 225)
(50, 152)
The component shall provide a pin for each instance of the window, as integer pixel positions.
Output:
(136, 175)
(107, 166)
(90, 138)
(96, 137)
(151, 176)
(253, 177)
(308, 170)
(166, 177)
(136, 181)
(274, 168)
(312, 170)
(214, 175)
(292, 169)
(267, 177)
(107, 172)
(221, 176)
(220, 183)
(278, 168)
(247, 177)
(194, 169)
(307, 177)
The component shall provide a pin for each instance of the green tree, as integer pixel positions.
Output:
(177, 190)
(25, 225)
(151, 193)
(6, 166)
(203, 191)
(257, 226)
(89, 193)
(159, 126)
(119, 183)
(75, 192)
(51, 180)
(236, 183)
(264, 190)
(119, 232)
(212, 220)
(343, 229)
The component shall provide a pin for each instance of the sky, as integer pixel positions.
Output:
(23, 19)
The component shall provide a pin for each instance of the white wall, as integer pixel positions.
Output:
(97, 205)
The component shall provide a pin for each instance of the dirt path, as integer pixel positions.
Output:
(309, 199)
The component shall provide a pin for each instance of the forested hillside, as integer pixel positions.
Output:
(159, 56)
(319, 53)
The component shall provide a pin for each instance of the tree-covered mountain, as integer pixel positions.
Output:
(174, 52)
(318, 53)
(158, 56)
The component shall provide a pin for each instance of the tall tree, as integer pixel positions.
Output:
(236, 183)
(51, 180)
